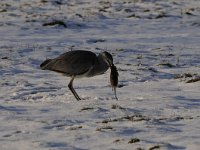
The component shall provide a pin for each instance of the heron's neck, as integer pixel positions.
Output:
(102, 63)
(99, 67)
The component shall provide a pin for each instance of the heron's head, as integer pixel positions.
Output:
(108, 58)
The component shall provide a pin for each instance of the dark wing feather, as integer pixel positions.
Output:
(72, 63)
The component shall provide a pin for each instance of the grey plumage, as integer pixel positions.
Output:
(79, 63)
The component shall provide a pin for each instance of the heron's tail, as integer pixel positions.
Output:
(44, 64)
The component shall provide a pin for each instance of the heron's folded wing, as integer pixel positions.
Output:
(73, 62)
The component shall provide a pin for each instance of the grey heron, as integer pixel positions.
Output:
(81, 63)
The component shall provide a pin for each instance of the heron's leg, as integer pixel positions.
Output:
(70, 85)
